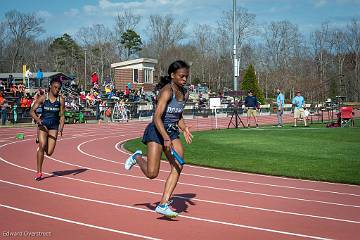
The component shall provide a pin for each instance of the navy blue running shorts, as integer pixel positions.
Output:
(151, 134)
(51, 124)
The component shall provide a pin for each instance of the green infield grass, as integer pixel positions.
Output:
(315, 152)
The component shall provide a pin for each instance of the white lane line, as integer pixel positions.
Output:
(183, 216)
(196, 185)
(260, 175)
(208, 187)
(207, 177)
(104, 159)
(14, 136)
(204, 186)
(257, 175)
(131, 124)
(283, 129)
(274, 185)
(29, 133)
(230, 180)
(78, 223)
(192, 199)
(275, 177)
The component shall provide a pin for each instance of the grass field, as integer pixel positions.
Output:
(316, 153)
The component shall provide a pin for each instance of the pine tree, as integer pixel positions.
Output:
(66, 53)
(131, 41)
(250, 82)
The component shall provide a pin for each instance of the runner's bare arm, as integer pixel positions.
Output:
(187, 134)
(39, 101)
(62, 114)
(164, 97)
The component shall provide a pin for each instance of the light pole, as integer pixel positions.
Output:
(190, 64)
(85, 70)
(235, 63)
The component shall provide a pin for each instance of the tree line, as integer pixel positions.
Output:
(324, 63)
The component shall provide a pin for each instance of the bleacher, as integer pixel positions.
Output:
(143, 109)
(23, 115)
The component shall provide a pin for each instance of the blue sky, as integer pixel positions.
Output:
(69, 15)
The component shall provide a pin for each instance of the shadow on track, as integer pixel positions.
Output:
(180, 204)
(66, 172)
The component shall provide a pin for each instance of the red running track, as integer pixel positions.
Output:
(87, 194)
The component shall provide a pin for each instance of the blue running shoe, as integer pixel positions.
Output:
(131, 161)
(165, 210)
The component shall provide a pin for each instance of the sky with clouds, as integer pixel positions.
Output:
(68, 16)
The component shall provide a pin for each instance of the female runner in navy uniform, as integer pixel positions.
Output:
(163, 133)
(53, 107)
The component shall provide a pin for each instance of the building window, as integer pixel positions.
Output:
(148, 78)
(135, 75)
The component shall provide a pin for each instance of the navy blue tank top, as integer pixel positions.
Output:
(174, 109)
(51, 110)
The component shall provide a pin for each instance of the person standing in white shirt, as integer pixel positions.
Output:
(28, 75)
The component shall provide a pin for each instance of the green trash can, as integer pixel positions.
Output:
(69, 117)
(81, 118)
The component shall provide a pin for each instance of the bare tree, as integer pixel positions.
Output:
(282, 43)
(124, 21)
(223, 42)
(246, 28)
(339, 52)
(21, 27)
(321, 48)
(98, 40)
(201, 38)
(164, 33)
(3, 43)
(353, 42)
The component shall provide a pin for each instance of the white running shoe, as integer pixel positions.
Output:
(131, 161)
(165, 210)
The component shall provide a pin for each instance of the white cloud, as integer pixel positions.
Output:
(320, 3)
(348, 1)
(273, 10)
(90, 9)
(108, 5)
(145, 7)
(44, 14)
(72, 12)
(194, 11)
